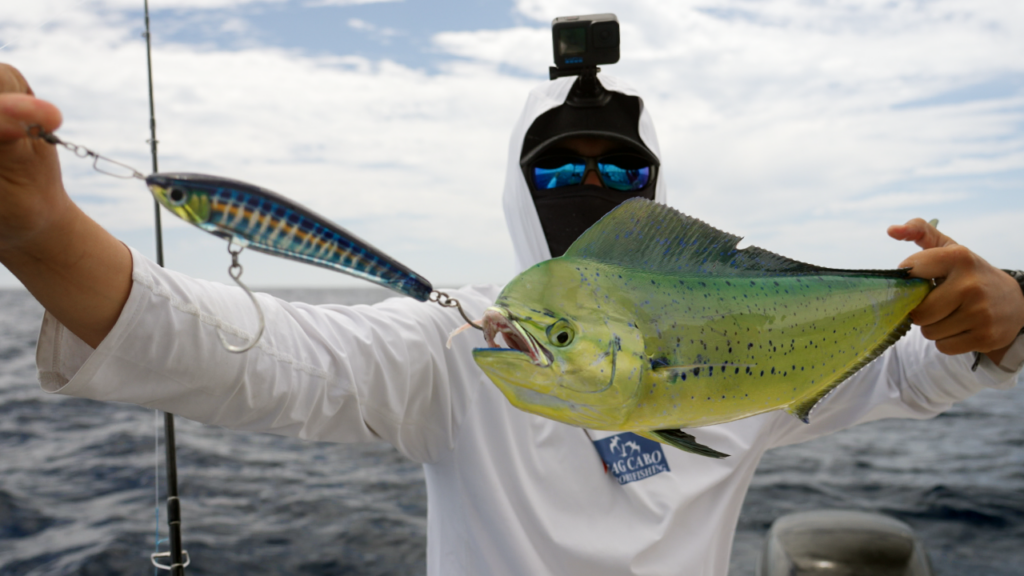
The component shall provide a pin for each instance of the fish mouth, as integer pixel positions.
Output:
(500, 321)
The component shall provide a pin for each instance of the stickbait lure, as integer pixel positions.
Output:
(268, 222)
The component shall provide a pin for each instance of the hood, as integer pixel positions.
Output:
(524, 225)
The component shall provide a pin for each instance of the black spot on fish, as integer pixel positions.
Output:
(762, 372)
(696, 371)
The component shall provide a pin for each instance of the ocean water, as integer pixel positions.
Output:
(77, 484)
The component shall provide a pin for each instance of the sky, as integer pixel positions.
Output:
(805, 126)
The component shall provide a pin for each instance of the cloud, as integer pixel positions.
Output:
(364, 26)
(522, 48)
(321, 3)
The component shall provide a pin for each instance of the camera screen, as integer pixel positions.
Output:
(572, 41)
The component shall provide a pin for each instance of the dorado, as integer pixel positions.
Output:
(653, 321)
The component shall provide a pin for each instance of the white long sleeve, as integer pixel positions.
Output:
(332, 373)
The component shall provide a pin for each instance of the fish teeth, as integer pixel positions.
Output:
(497, 321)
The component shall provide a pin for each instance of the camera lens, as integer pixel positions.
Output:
(606, 35)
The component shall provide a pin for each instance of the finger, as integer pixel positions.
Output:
(921, 233)
(961, 343)
(939, 304)
(947, 326)
(938, 262)
(19, 111)
(11, 80)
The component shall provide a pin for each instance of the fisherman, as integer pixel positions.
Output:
(510, 492)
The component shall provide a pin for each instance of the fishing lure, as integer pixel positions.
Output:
(267, 222)
(249, 216)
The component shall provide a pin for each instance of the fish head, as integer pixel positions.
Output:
(567, 358)
(187, 196)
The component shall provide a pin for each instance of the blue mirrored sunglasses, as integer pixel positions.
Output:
(622, 172)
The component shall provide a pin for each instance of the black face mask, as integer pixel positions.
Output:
(567, 212)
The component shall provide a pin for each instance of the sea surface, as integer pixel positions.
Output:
(77, 489)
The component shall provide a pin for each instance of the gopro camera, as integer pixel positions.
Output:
(582, 43)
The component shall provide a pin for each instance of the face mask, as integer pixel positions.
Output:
(567, 211)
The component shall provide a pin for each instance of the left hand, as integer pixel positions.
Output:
(975, 308)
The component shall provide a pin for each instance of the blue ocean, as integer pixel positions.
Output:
(78, 484)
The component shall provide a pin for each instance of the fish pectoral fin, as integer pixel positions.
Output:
(683, 441)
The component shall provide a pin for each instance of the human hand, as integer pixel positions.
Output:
(32, 195)
(975, 307)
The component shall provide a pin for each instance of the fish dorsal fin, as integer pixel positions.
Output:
(645, 235)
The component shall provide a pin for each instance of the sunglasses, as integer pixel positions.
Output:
(621, 172)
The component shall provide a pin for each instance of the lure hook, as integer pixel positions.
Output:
(446, 301)
(235, 271)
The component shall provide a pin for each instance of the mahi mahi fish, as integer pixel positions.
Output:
(654, 321)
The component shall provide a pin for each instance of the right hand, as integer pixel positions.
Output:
(32, 196)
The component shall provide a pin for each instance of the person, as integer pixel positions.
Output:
(509, 492)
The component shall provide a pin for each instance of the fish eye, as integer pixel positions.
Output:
(176, 196)
(561, 333)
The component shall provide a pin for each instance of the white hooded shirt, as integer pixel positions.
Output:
(509, 492)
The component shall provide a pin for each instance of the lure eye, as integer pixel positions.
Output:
(176, 196)
(561, 333)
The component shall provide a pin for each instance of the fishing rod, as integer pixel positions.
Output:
(176, 553)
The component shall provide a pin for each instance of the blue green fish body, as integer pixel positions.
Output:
(270, 223)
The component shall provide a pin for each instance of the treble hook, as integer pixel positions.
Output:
(235, 271)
